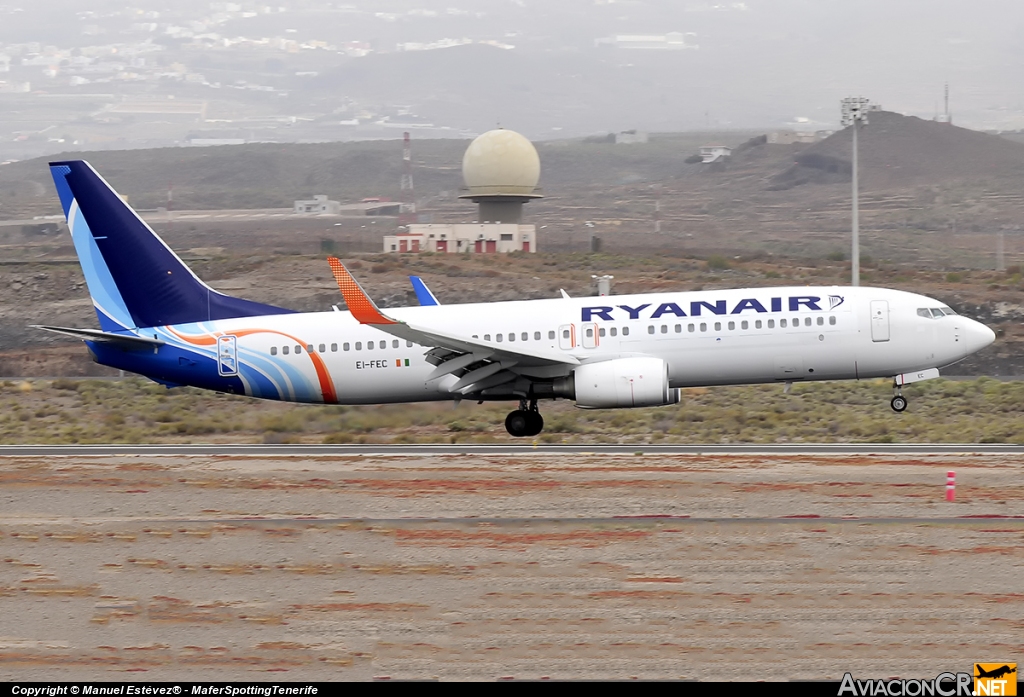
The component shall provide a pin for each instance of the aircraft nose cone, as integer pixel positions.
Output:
(978, 336)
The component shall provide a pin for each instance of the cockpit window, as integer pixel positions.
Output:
(934, 312)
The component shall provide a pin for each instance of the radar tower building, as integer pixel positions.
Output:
(501, 170)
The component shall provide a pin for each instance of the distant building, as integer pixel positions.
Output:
(475, 238)
(714, 153)
(630, 137)
(319, 204)
(790, 137)
(672, 41)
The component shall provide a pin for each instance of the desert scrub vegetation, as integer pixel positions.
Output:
(134, 410)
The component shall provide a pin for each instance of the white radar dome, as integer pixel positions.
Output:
(501, 163)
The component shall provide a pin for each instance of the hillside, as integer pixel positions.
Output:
(897, 151)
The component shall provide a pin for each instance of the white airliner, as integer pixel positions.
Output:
(159, 320)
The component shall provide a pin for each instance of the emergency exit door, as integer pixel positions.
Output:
(879, 320)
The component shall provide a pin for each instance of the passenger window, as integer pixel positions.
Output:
(664, 329)
(771, 324)
(498, 338)
(601, 331)
(807, 321)
(703, 326)
(650, 328)
(394, 344)
(273, 350)
(359, 346)
(679, 329)
(565, 333)
(744, 324)
(551, 335)
(690, 328)
(757, 324)
(369, 345)
(525, 336)
(590, 332)
(821, 320)
(718, 326)
(285, 349)
(615, 331)
(309, 348)
(298, 350)
(732, 325)
(346, 346)
(782, 323)
(487, 337)
(408, 344)
(323, 349)
(383, 345)
(511, 336)
(334, 348)
(832, 319)
(625, 331)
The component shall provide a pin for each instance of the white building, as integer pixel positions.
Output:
(476, 238)
(319, 204)
(714, 153)
(630, 137)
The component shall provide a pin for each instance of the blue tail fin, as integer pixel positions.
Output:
(135, 280)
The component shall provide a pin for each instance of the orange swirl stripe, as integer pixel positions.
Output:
(327, 388)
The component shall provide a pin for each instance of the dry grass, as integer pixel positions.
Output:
(136, 411)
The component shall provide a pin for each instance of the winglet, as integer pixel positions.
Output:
(564, 294)
(359, 303)
(423, 294)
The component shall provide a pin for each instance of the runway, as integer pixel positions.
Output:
(510, 449)
(328, 562)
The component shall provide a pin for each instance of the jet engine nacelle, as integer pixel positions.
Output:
(624, 383)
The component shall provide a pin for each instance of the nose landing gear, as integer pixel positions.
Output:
(524, 421)
(899, 402)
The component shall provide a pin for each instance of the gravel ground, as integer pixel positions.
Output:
(225, 568)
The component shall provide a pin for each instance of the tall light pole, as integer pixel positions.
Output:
(855, 112)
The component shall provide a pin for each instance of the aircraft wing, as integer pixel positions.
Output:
(483, 362)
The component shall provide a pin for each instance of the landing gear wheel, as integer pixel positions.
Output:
(898, 403)
(518, 423)
(536, 422)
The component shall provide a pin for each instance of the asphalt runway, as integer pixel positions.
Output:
(514, 448)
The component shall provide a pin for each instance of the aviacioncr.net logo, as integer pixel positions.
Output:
(942, 685)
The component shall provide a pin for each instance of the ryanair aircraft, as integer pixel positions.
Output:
(158, 319)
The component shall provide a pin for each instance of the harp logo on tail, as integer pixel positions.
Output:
(835, 301)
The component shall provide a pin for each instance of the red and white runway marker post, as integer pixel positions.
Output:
(951, 486)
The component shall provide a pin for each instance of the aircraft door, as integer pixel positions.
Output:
(567, 337)
(227, 356)
(590, 335)
(879, 320)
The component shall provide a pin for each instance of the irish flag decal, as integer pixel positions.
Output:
(400, 362)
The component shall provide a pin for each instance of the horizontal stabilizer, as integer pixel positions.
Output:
(127, 340)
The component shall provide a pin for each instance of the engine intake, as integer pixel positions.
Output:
(624, 383)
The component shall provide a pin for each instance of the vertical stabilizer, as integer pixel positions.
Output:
(135, 280)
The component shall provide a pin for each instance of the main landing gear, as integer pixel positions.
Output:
(899, 402)
(524, 421)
